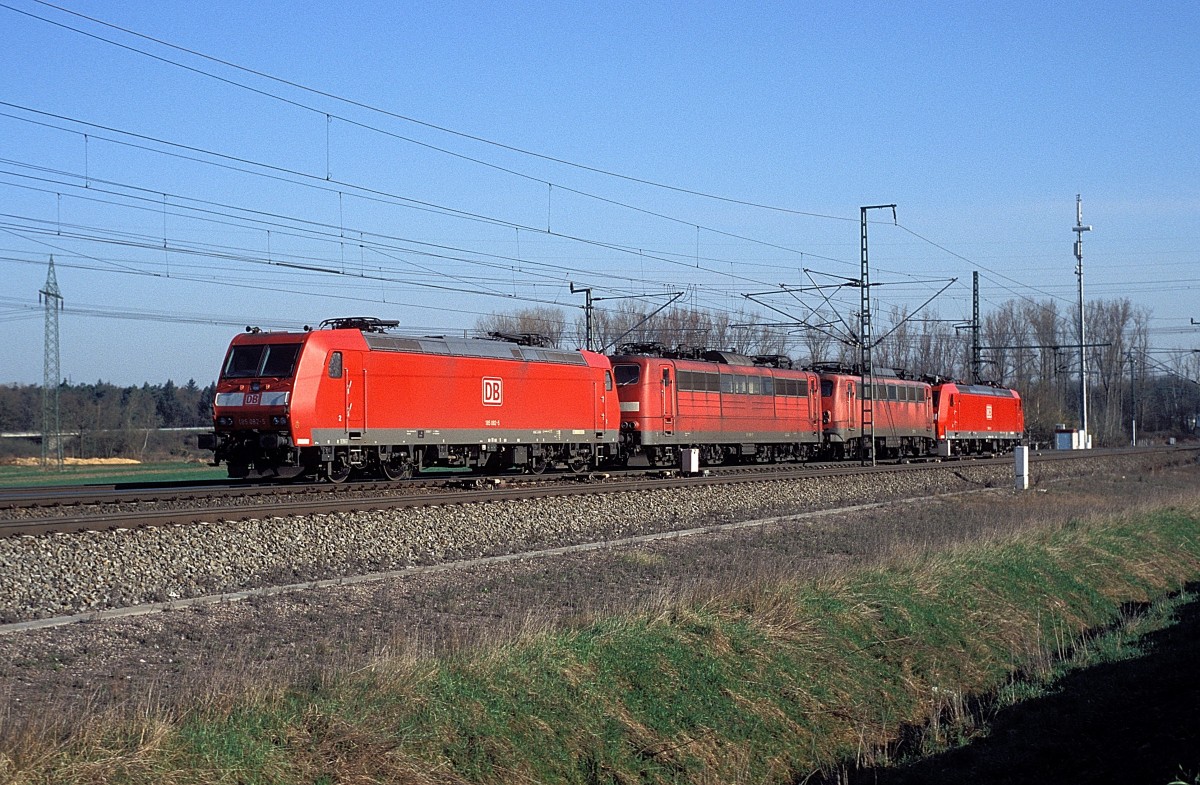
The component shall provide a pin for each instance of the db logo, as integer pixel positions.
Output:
(253, 399)
(989, 411)
(493, 391)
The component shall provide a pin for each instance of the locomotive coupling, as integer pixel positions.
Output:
(273, 441)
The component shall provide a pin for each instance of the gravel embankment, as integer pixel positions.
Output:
(66, 574)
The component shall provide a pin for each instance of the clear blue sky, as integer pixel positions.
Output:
(189, 206)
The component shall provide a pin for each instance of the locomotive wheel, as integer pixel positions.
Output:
(578, 465)
(537, 465)
(397, 470)
(338, 470)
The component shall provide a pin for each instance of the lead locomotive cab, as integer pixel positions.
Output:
(252, 409)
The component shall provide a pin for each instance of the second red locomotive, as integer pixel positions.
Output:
(732, 408)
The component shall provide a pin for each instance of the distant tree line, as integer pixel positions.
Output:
(107, 421)
(1029, 345)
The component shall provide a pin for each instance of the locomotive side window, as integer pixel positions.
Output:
(826, 388)
(698, 381)
(335, 365)
(627, 374)
(608, 382)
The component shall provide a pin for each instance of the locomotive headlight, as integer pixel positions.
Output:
(278, 420)
(226, 421)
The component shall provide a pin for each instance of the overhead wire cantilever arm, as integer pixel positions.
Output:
(821, 291)
(797, 322)
(821, 328)
(674, 296)
(917, 310)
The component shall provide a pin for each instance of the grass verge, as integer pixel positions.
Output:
(767, 683)
(107, 474)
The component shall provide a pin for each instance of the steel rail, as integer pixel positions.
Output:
(461, 490)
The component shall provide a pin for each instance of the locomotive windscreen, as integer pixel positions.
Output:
(277, 360)
(626, 374)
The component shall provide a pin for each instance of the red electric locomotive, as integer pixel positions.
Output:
(326, 402)
(977, 418)
(899, 412)
(733, 408)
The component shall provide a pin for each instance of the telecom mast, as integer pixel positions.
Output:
(1079, 229)
(52, 302)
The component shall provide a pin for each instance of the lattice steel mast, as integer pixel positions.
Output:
(52, 302)
(976, 357)
(866, 384)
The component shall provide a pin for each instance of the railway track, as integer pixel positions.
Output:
(73, 512)
(36, 511)
(103, 561)
(201, 500)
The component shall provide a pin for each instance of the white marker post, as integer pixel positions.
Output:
(1021, 468)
